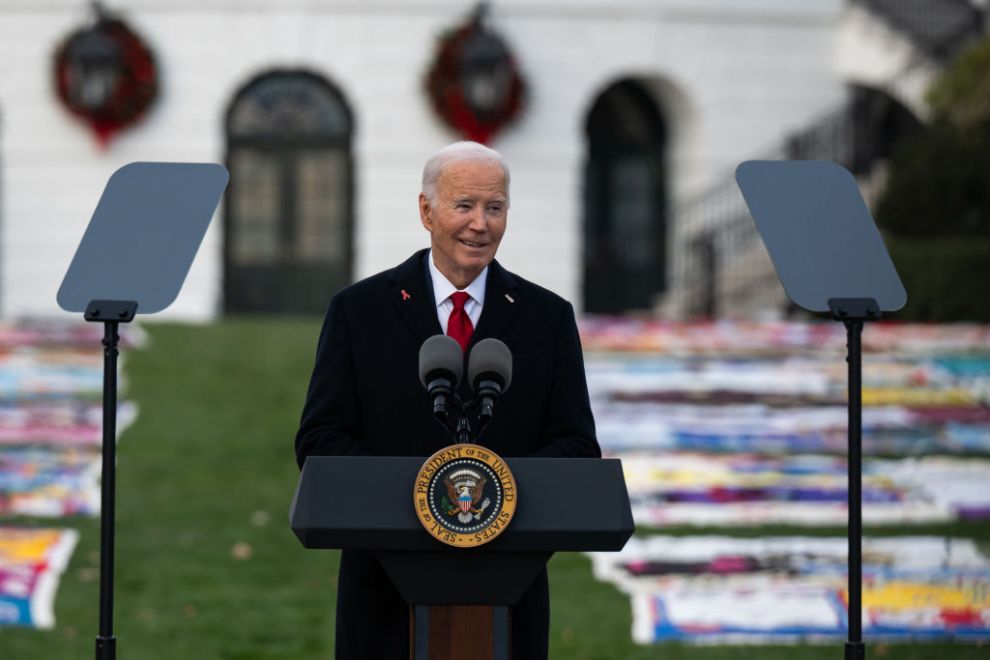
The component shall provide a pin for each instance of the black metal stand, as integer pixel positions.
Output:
(111, 313)
(461, 430)
(853, 312)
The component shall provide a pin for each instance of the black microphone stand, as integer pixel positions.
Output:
(462, 434)
(462, 431)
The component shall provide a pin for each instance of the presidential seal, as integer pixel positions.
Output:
(465, 495)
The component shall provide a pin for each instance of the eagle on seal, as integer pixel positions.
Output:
(465, 495)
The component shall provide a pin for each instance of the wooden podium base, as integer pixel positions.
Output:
(454, 632)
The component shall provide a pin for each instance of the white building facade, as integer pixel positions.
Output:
(727, 77)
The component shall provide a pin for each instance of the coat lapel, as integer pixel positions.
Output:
(501, 302)
(412, 295)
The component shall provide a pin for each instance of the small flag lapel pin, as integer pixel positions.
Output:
(405, 296)
(510, 298)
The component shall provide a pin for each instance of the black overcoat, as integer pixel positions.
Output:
(365, 398)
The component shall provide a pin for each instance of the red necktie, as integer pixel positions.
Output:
(459, 324)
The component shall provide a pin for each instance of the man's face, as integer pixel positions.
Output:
(466, 218)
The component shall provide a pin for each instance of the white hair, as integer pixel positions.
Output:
(458, 152)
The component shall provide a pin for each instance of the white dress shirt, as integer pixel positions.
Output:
(442, 288)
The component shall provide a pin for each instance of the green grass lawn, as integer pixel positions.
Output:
(206, 564)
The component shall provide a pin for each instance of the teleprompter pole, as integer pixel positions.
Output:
(853, 312)
(106, 644)
(855, 649)
(111, 313)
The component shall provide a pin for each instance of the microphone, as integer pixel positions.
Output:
(490, 373)
(441, 365)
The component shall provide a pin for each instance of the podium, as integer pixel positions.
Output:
(565, 504)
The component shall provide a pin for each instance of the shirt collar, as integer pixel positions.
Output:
(442, 288)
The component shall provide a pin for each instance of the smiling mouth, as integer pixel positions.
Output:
(472, 244)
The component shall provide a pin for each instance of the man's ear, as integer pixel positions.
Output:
(424, 212)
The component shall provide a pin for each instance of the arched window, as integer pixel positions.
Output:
(624, 202)
(288, 224)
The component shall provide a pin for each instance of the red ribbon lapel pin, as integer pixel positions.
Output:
(405, 296)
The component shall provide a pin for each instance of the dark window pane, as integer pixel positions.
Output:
(321, 184)
(632, 210)
(255, 204)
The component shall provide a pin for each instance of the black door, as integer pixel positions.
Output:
(624, 202)
(288, 224)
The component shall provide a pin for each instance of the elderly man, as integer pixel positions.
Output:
(365, 396)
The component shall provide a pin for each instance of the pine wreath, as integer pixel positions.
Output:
(445, 83)
(106, 75)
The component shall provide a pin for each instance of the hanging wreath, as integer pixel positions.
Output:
(106, 75)
(474, 84)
